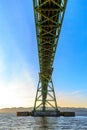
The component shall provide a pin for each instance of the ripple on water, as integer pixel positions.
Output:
(12, 122)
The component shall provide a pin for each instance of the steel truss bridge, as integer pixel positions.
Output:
(49, 16)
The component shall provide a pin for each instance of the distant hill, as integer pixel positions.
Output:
(78, 111)
(14, 109)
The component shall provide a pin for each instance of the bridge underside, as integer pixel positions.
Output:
(48, 19)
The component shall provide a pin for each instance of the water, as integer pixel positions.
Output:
(12, 122)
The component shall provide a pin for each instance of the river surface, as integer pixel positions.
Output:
(12, 122)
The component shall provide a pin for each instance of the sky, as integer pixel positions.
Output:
(19, 64)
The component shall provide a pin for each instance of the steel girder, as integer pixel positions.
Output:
(49, 16)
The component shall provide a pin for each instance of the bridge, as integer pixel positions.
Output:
(48, 16)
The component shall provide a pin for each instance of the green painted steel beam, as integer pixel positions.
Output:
(49, 16)
(48, 19)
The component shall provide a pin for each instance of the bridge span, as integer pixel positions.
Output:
(48, 16)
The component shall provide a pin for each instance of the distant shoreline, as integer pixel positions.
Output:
(78, 111)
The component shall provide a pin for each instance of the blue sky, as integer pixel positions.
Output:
(19, 65)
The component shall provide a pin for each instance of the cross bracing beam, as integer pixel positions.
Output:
(49, 16)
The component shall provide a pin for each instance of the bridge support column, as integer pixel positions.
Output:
(48, 106)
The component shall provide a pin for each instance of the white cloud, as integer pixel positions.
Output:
(19, 88)
(76, 92)
(19, 91)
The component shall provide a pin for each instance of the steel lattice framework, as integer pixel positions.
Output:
(49, 16)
